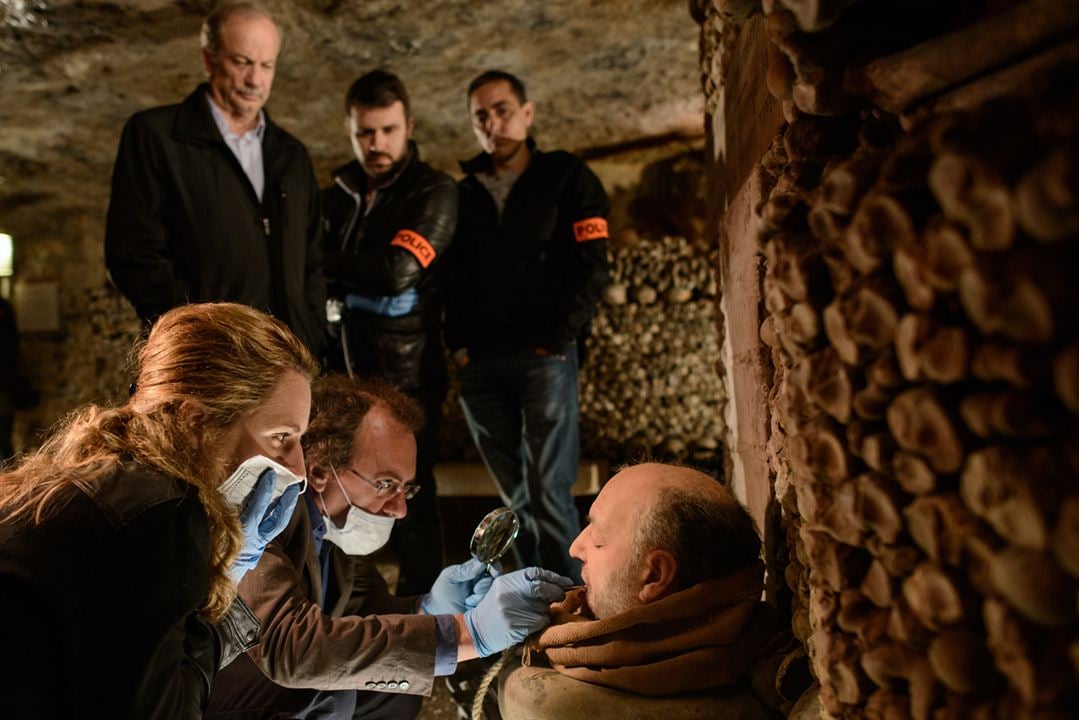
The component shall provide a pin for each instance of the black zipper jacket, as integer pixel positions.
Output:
(374, 251)
(532, 278)
(395, 244)
(185, 225)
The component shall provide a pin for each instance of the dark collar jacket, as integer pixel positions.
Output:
(383, 247)
(530, 277)
(372, 249)
(185, 225)
(99, 605)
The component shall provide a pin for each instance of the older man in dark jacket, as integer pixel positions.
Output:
(211, 201)
(389, 220)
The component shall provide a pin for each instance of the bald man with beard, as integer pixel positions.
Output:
(671, 606)
(655, 530)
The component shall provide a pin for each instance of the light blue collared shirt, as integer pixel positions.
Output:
(247, 147)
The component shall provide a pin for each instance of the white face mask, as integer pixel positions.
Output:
(363, 532)
(240, 484)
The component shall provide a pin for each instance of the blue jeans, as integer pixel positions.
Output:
(522, 411)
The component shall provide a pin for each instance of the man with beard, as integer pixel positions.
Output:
(335, 642)
(686, 529)
(529, 265)
(389, 220)
(211, 201)
(671, 606)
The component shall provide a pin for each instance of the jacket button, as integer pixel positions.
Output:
(403, 685)
(381, 685)
(391, 685)
(370, 684)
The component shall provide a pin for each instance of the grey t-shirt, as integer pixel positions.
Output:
(499, 185)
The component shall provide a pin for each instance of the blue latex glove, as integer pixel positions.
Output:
(385, 305)
(483, 586)
(517, 606)
(454, 586)
(262, 520)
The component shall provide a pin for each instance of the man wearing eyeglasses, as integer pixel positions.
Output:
(335, 642)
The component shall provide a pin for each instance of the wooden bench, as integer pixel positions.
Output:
(471, 479)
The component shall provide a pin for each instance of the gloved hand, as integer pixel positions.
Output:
(454, 586)
(483, 586)
(398, 305)
(262, 520)
(517, 606)
(385, 305)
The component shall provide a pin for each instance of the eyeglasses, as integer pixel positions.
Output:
(388, 488)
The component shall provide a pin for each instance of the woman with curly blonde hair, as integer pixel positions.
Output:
(118, 553)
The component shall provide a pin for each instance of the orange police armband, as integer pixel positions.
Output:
(416, 244)
(593, 228)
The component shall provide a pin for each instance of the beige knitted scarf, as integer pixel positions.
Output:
(695, 639)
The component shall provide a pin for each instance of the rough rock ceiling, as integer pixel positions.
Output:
(603, 72)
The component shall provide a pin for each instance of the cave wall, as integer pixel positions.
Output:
(909, 255)
(86, 358)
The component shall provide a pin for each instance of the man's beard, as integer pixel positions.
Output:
(383, 175)
(617, 597)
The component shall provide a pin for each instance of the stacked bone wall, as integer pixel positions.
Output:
(917, 300)
(917, 223)
(649, 386)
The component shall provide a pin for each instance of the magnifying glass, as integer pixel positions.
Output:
(494, 535)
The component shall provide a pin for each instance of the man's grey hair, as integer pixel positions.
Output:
(210, 35)
(710, 535)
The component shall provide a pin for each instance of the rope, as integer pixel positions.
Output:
(485, 684)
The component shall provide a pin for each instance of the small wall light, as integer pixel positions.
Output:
(7, 263)
(7, 255)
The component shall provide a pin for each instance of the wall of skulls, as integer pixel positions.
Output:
(921, 312)
(649, 386)
(920, 236)
(648, 382)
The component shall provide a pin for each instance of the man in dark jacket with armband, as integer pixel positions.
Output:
(389, 219)
(528, 266)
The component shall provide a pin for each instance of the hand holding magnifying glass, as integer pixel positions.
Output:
(490, 541)
(461, 587)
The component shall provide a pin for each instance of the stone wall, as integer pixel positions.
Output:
(86, 359)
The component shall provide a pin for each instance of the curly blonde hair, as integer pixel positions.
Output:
(201, 368)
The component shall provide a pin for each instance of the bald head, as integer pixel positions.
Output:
(700, 523)
(655, 529)
(650, 479)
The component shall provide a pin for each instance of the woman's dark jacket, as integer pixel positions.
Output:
(99, 605)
